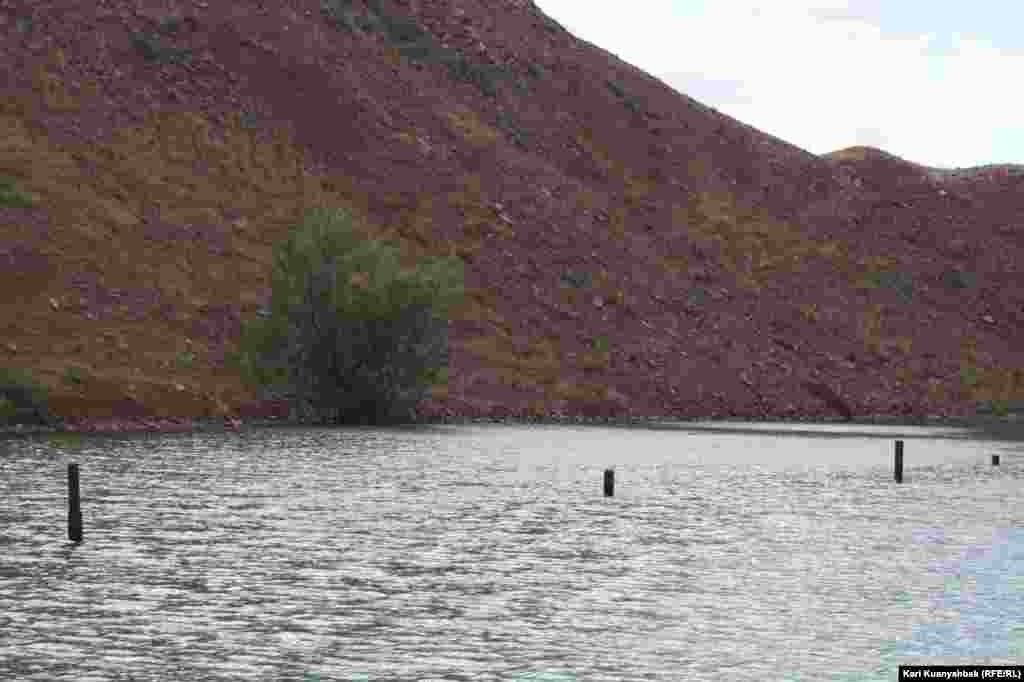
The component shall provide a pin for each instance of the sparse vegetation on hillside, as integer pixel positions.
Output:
(609, 251)
(350, 337)
(413, 43)
(22, 400)
(11, 197)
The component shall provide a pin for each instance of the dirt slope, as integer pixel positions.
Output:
(629, 251)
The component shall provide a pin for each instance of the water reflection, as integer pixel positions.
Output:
(489, 553)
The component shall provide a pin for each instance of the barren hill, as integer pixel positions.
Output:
(629, 251)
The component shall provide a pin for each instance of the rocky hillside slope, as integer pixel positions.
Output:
(628, 250)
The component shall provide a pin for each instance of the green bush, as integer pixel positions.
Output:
(696, 295)
(24, 400)
(515, 133)
(414, 43)
(1000, 408)
(342, 17)
(349, 337)
(10, 197)
(149, 47)
(484, 77)
(403, 29)
(72, 375)
(248, 119)
(897, 280)
(997, 407)
(184, 359)
(578, 279)
(169, 25)
(234, 359)
(957, 279)
(425, 51)
(339, 14)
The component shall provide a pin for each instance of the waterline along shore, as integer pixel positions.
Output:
(218, 424)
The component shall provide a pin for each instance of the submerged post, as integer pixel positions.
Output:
(899, 461)
(609, 482)
(995, 460)
(74, 505)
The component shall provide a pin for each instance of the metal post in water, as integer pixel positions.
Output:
(74, 505)
(995, 460)
(899, 461)
(609, 482)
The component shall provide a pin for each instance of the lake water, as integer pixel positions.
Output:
(490, 553)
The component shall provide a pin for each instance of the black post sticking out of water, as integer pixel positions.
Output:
(74, 505)
(995, 460)
(899, 461)
(609, 482)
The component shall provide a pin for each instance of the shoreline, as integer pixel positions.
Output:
(169, 425)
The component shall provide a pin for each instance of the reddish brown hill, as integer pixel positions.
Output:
(628, 250)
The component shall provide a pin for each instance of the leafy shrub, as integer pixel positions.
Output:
(413, 42)
(899, 281)
(485, 77)
(339, 14)
(402, 29)
(577, 279)
(73, 376)
(151, 50)
(999, 407)
(24, 400)
(247, 119)
(426, 52)
(169, 25)
(957, 279)
(696, 295)
(350, 336)
(184, 359)
(233, 359)
(515, 133)
(12, 198)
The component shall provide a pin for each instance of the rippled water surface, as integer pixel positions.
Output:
(490, 553)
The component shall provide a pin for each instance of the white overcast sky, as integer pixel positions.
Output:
(937, 82)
